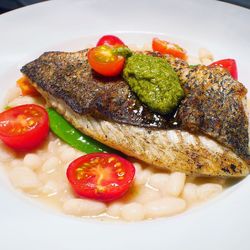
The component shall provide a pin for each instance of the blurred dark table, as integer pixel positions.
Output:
(243, 3)
(7, 5)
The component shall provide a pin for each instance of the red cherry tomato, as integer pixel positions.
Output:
(165, 47)
(110, 40)
(101, 176)
(24, 127)
(229, 64)
(104, 61)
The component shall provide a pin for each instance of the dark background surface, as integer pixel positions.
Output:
(7, 5)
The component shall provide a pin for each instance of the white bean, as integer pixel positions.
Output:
(137, 167)
(21, 100)
(190, 193)
(66, 195)
(83, 207)
(205, 54)
(65, 167)
(24, 178)
(67, 154)
(132, 212)
(54, 145)
(114, 209)
(50, 188)
(175, 184)
(147, 194)
(164, 207)
(208, 191)
(142, 177)
(16, 163)
(50, 165)
(32, 161)
(6, 154)
(12, 94)
(206, 61)
(159, 181)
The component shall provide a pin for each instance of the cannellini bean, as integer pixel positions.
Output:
(164, 207)
(50, 188)
(83, 207)
(171, 184)
(114, 209)
(24, 178)
(147, 194)
(65, 196)
(137, 166)
(79, 154)
(21, 100)
(206, 61)
(204, 55)
(190, 193)
(65, 166)
(132, 212)
(50, 165)
(158, 181)
(142, 177)
(6, 154)
(193, 193)
(208, 191)
(12, 94)
(67, 154)
(16, 163)
(54, 145)
(175, 184)
(32, 161)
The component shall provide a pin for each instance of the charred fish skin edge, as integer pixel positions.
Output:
(89, 102)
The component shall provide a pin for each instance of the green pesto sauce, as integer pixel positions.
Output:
(154, 81)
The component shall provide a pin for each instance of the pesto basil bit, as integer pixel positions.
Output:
(154, 81)
(7, 107)
(122, 51)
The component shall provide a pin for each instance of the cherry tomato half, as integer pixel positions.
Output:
(104, 61)
(101, 176)
(24, 127)
(228, 64)
(165, 47)
(110, 40)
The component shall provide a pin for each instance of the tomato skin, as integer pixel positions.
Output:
(110, 40)
(99, 180)
(228, 64)
(104, 62)
(165, 47)
(31, 137)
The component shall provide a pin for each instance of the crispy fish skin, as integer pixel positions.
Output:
(87, 100)
(69, 77)
(216, 108)
(172, 150)
(215, 105)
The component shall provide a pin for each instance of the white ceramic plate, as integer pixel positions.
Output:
(69, 25)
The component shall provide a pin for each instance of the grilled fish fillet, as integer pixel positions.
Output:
(215, 105)
(110, 113)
